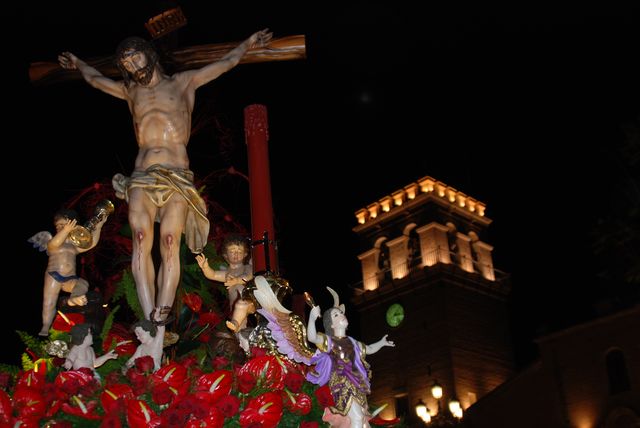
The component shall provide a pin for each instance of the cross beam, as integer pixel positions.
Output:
(280, 49)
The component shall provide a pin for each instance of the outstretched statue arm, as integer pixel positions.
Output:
(312, 334)
(209, 72)
(375, 347)
(208, 271)
(93, 77)
(111, 355)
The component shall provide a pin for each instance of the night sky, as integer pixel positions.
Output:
(525, 108)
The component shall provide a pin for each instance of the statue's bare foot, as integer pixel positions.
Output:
(77, 300)
(161, 316)
(44, 332)
(233, 325)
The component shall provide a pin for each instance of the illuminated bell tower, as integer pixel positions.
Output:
(428, 281)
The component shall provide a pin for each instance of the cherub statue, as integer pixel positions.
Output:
(235, 251)
(340, 363)
(151, 337)
(81, 353)
(61, 269)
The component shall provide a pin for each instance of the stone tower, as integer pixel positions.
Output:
(428, 281)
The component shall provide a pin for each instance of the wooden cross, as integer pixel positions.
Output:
(280, 49)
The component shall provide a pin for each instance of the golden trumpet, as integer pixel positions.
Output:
(309, 299)
(82, 236)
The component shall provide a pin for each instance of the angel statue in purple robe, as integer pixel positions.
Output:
(340, 362)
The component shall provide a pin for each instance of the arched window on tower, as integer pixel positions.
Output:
(384, 264)
(413, 250)
(617, 372)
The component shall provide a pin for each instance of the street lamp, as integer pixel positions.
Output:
(441, 418)
(423, 411)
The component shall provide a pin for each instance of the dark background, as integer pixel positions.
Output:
(527, 108)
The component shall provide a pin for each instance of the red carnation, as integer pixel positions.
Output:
(323, 394)
(246, 382)
(294, 381)
(145, 364)
(228, 405)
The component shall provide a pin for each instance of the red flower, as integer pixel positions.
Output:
(144, 364)
(212, 387)
(228, 405)
(204, 337)
(308, 424)
(267, 370)
(119, 334)
(195, 372)
(193, 301)
(64, 323)
(219, 362)
(189, 361)
(57, 361)
(79, 407)
(299, 404)
(31, 380)
(174, 417)
(323, 394)
(114, 396)
(25, 422)
(58, 424)
(5, 378)
(72, 381)
(5, 407)
(161, 393)
(246, 382)
(263, 411)
(211, 318)
(29, 403)
(140, 415)
(175, 375)
(294, 381)
(215, 419)
(258, 352)
(138, 381)
(53, 407)
(111, 420)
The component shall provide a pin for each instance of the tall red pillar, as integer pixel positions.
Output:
(256, 132)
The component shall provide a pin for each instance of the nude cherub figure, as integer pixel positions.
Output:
(61, 268)
(82, 353)
(151, 339)
(235, 251)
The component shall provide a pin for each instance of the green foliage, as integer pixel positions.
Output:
(34, 344)
(27, 363)
(59, 335)
(111, 365)
(127, 287)
(108, 322)
(7, 368)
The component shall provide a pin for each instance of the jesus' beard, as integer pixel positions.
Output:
(144, 75)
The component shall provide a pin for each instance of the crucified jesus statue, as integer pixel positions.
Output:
(161, 186)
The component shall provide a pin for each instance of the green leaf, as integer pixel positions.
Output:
(108, 322)
(34, 344)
